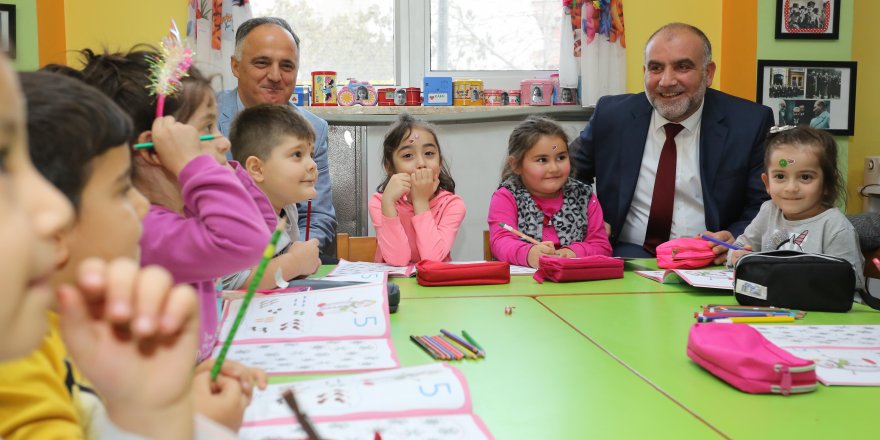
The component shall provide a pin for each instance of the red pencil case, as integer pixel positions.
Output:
(741, 356)
(435, 273)
(685, 253)
(593, 267)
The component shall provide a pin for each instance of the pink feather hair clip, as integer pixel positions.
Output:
(169, 68)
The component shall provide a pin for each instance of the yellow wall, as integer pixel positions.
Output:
(119, 24)
(643, 17)
(866, 141)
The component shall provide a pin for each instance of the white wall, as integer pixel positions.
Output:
(475, 153)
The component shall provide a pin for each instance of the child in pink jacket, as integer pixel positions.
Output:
(538, 197)
(415, 211)
(207, 218)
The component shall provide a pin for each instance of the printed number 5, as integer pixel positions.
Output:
(366, 320)
(437, 387)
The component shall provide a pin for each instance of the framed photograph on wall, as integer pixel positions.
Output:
(7, 30)
(821, 94)
(807, 19)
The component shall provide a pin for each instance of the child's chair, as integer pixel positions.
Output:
(487, 249)
(355, 248)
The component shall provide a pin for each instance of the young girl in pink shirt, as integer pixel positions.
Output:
(537, 197)
(207, 218)
(415, 211)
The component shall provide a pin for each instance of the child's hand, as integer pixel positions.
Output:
(736, 255)
(424, 184)
(310, 256)
(175, 143)
(719, 250)
(222, 401)
(535, 252)
(134, 336)
(247, 376)
(565, 253)
(398, 185)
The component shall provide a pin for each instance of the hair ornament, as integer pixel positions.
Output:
(167, 69)
(786, 162)
(413, 138)
(780, 128)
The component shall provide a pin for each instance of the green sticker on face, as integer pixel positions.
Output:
(783, 163)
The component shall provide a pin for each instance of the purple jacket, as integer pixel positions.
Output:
(225, 227)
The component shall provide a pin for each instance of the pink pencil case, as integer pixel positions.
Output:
(594, 267)
(739, 355)
(685, 253)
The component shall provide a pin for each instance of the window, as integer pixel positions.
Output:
(354, 38)
(495, 35)
(400, 41)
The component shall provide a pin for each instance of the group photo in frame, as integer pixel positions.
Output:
(820, 94)
(7, 30)
(808, 19)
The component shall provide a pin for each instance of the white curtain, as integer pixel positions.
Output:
(210, 32)
(594, 51)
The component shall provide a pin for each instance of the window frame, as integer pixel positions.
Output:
(413, 52)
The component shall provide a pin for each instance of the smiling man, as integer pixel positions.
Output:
(679, 159)
(266, 62)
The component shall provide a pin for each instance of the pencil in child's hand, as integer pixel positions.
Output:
(204, 137)
(258, 275)
(720, 242)
(520, 234)
(308, 219)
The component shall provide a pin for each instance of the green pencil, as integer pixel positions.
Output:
(267, 255)
(471, 340)
(204, 137)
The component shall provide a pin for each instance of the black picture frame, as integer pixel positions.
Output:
(792, 89)
(7, 30)
(824, 25)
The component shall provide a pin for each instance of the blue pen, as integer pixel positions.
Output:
(722, 243)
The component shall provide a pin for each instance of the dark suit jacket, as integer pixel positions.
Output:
(732, 132)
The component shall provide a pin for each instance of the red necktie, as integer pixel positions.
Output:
(660, 218)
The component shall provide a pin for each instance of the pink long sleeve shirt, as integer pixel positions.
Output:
(222, 230)
(409, 238)
(508, 247)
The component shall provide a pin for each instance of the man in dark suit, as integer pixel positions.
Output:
(701, 174)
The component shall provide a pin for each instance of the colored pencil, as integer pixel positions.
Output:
(731, 314)
(261, 268)
(754, 319)
(461, 342)
(448, 354)
(517, 232)
(304, 422)
(464, 351)
(308, 219)
(473, 341)
(454, 351)
(425, 347)
(204, 137)
(719, 242)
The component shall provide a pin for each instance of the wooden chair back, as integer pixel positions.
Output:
(355, 248)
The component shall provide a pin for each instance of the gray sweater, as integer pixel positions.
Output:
(828, 233)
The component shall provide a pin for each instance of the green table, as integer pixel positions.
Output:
(540, 379)
(521, 285)
(648, 334)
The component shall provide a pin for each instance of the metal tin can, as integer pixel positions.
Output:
(324, 88)
(536, 91)
(467, 92)
(512, 98)
(301, 96)
(492, 97)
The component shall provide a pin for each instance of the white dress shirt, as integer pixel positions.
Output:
(688, 217)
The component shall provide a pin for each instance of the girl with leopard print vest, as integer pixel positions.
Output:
(537, 197)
